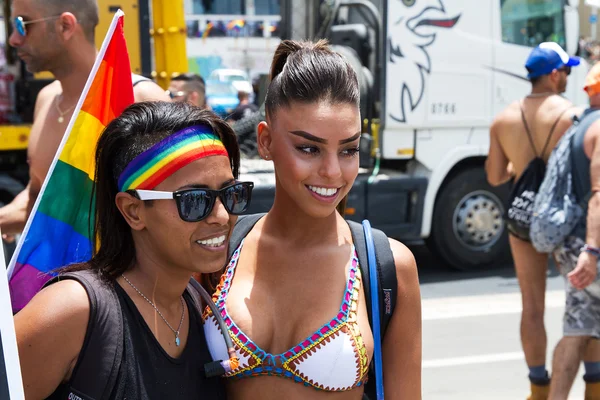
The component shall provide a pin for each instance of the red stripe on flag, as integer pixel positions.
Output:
(112, 81)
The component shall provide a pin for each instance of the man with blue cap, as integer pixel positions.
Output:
(542, 63)
(528, 128)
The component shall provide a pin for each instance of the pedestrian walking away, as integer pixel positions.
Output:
(577, 256)
(521, 138)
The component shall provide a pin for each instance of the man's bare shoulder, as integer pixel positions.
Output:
(46, 95)
(507, 115)
(49, 91)
(149, 91)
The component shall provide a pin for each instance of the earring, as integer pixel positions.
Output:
(266, 157)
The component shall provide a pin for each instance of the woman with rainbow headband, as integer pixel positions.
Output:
(292, 295)
(166, 201)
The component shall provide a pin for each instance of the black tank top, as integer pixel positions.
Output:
(148, 372)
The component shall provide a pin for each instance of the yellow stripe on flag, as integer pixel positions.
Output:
(80, 149)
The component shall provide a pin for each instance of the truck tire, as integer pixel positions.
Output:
(468, 230)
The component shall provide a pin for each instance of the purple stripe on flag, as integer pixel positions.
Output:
(28, 280)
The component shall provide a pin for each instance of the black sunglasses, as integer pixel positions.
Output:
(566, 70)
(196, 204)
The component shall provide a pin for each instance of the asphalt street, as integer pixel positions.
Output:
(471, 346)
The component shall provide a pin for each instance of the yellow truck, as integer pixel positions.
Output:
(151, 27)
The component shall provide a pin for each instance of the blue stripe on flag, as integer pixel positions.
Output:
(51, 244)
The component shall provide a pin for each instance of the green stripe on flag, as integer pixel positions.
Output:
(67, 198)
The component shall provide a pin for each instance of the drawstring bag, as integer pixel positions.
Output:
(522, 196)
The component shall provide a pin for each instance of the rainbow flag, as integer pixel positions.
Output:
(207, 30)
(236, 24)
(59, 229)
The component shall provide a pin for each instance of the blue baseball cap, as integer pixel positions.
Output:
(547, 57)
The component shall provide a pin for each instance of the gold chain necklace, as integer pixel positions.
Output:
(61, 117)
(176, 332)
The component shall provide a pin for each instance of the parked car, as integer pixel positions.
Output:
(221, 97)
(238, 78)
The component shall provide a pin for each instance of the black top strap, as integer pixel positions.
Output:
(242, 227)
(97, 368)
(580, 163)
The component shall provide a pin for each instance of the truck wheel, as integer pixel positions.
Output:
(468, 230)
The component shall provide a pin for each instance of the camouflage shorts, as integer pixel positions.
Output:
(582, 307)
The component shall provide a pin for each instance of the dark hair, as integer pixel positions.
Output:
(309, 72)
(141, 126)
(536, 80)
(86, 12)
(189, 77)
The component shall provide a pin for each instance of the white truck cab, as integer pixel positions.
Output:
(440, 71)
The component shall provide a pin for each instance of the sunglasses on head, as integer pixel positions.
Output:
(20, 24)
(566, 70)
(173, 95)
(196, 204)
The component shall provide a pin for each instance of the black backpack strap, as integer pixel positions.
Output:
(386, 270)
(552, 131)
(97, 368)
(244, 224)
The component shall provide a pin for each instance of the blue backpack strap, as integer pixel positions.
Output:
(388, 284)
(95, 374)
(386, 271)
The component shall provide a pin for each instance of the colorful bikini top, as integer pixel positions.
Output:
(333, 358)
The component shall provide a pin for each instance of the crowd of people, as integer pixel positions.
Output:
(161, 236)
(542, 224)
(132, 322)
(589, 49)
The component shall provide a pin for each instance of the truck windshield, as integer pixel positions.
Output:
(531, 22)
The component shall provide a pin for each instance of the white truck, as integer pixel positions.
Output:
(434, 73)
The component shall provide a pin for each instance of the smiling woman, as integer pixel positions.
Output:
(292, 295)
(166, 201)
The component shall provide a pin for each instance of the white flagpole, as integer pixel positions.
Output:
(10, 351)
(86, 89)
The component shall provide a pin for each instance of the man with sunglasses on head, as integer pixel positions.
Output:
(190, 88)
(55, 36)
(543, 116)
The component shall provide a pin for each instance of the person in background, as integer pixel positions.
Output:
(577, 261)
(55, 36)
(190, 88)
(528, 128)
(244, 108)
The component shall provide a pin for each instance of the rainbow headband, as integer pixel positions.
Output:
(163, 159)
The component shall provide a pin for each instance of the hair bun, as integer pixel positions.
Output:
(283, 51)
